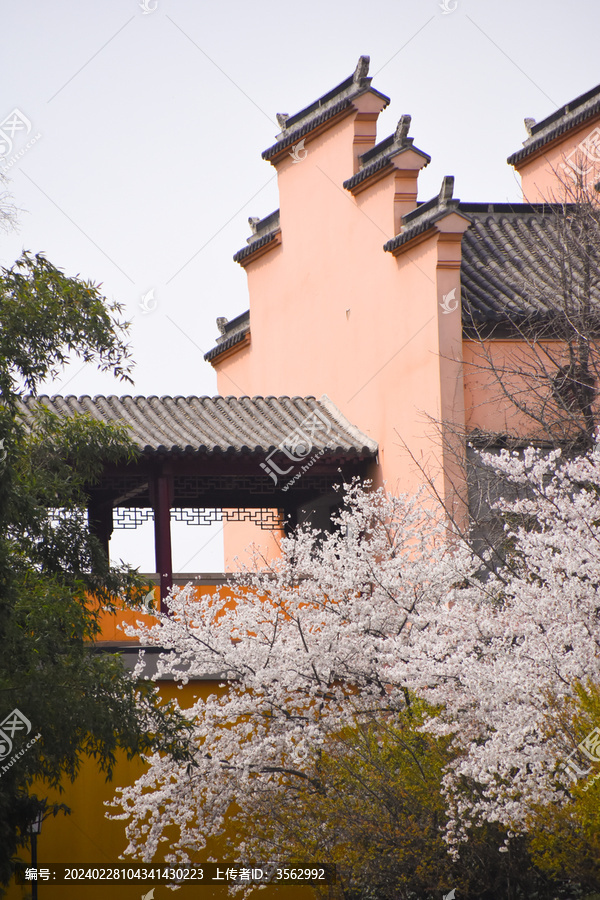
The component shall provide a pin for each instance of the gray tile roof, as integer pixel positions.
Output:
(245, 252)
(569, 116)
(322, 110)
(232, 333)
(288, 139)
(263, 232)
(511, 270)
(425, 215)
(219, 425)
(380, 156)
(227, 344)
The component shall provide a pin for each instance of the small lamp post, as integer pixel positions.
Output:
(35, 827)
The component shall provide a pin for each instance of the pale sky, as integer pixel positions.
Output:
(152, 124)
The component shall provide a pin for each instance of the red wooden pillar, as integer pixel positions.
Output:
(163, 494)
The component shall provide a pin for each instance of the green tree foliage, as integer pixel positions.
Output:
(47, 318)
(566, 836)
(374, 807)
(55, 579)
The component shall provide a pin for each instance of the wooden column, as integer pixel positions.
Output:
(100, 521)
(163, 494)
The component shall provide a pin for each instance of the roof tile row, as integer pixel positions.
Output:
(218, 425)
(569, 116)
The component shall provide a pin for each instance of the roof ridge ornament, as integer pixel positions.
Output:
(362, 69)
(335, 104)
(253, 223)
(529, 123)
(446, 190)
(402, 128)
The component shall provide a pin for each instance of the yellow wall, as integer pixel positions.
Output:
(88, 837)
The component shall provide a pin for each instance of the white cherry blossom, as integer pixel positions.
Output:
(345, 626)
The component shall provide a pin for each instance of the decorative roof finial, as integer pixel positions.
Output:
(446, 189)
(253, 222)
(221, 323)
(402, 129)
(362, 69)
(282, 119)
(529, 123)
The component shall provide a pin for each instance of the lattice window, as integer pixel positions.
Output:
(129, 517)
(125, 517)
(190, 487)
(58, 515)
(267, 519)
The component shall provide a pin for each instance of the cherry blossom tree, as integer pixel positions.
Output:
(312, 644)
(344, 628)
(529, 644)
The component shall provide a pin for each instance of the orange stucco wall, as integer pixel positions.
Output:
(112, 625)
(487, 408)
(542, 175)
(526, 372)
(332, 313)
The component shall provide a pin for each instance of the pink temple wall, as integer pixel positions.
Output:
(332, 313)
(543, 173)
